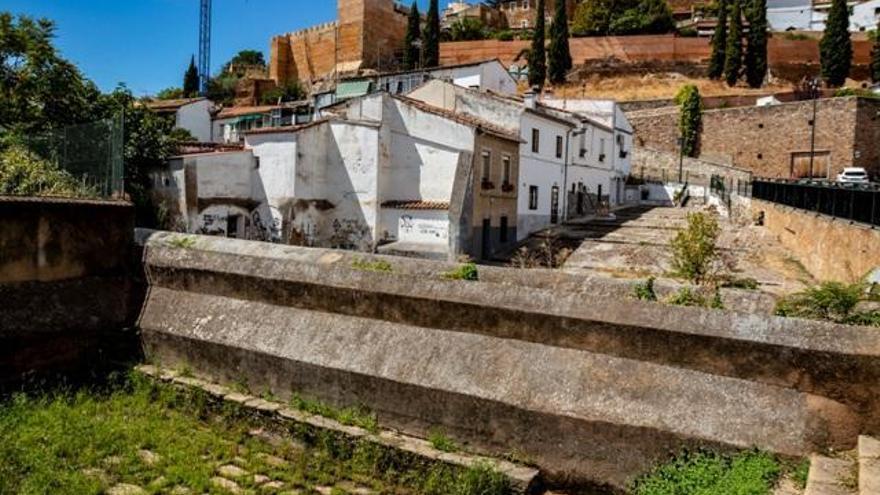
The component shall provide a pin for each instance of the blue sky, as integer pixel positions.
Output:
(147, 44)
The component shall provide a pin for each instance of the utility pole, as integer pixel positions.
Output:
(814, 92)
(681, 160)
(204, 47)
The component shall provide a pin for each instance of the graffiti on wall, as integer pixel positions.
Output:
(423, 229)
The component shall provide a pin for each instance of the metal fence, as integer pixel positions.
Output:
(92, 153)
(860, 203)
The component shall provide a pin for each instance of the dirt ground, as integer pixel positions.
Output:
(658, 85)
(636, 244)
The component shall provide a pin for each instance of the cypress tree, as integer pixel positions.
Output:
(756, 51)
(733, 50)
(559, 54)
(538, 55)
(690, 118)
(875, 57)
(719, 42)
(431, 40)
(191, 79)
(835, 49)
(412, 52)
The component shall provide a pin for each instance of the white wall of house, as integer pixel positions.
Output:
(544, 170)
(802, 15)
(416, 226)
(196, 118)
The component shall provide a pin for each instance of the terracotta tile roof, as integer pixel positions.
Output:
(290, 128)
(461, 118)
(169, 105)
(230, 112)
(416, 205)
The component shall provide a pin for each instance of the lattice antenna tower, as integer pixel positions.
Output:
(205, 47)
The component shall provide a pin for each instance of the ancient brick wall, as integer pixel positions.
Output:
(763, 139)
(368, 34)
(633, 49)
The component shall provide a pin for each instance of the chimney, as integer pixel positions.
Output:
(530, 99)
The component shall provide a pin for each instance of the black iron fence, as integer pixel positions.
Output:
(860, 203)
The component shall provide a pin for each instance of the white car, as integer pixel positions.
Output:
(853, 175)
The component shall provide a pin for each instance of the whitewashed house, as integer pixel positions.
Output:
(192, 114)
(568, 160)
(488, 75)
(390, 174)
(811, 15)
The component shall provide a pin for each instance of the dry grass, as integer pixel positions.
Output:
(654, 86)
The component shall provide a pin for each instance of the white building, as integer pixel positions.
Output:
(568, 160)
(192, 114)
(487, 75)
(810, 15)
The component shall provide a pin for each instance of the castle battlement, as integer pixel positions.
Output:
(313, 29)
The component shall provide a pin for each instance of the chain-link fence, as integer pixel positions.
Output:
(91, 153)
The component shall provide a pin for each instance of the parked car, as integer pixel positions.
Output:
(853, 175)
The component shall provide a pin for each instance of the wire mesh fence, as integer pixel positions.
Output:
(860, 203)
(91, 153)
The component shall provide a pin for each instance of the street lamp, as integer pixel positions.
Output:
(681, 160)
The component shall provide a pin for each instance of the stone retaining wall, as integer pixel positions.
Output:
(592, 388)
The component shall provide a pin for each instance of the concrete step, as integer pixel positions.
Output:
(869, 466)
(831, 476)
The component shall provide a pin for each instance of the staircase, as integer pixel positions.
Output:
(849, 473)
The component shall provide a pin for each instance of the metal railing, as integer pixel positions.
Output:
(859, 203)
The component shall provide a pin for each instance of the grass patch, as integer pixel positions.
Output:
(686, 296)
(182, 242)
(644, 291)
(440, 441)
(349, 416)
(56, 442)
(742, 283)
(466, 271)
(706, 473)
(365, 265)
(830, 301)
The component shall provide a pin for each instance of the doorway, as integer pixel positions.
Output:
(486, 246)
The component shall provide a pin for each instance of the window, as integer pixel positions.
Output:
(536, 141)
(602, 150)
(533, 197)
(505, 170)
(503, 234)
(487, 165)
(558, 146)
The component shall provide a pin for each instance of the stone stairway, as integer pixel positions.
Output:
(850, 473)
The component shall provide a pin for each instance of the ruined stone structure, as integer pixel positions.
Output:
(774, 141)
(368, 34)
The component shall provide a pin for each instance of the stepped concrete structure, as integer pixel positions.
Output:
(594, 390)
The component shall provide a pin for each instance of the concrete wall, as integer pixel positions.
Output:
(656, 165)
(66, 287)
(765, 139)
(590, 387)
(196, 118)
(829, 248)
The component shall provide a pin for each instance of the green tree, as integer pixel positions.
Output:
(875, 57)
(690, 120)
(756, 50)
(835, 48)
(733, 50)
(659, 17)
(559, 53)
(191, 79)
(431, 36)
(594, 17)
(244, 59)
(39, 90)
(538, 53)
(23, 173)
(170, 94)
(411, 50)
(292, 91)
(719, 43)
(468, 29)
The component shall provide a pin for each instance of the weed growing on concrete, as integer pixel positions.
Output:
(644, 291)
(466, 271)
(741, 283)
(800, 473)
(441, 442)
(694, 249)
(350, 416)
(752, 473)
(182, 242)
(830, 301)
(687, 296)
(365, 265)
